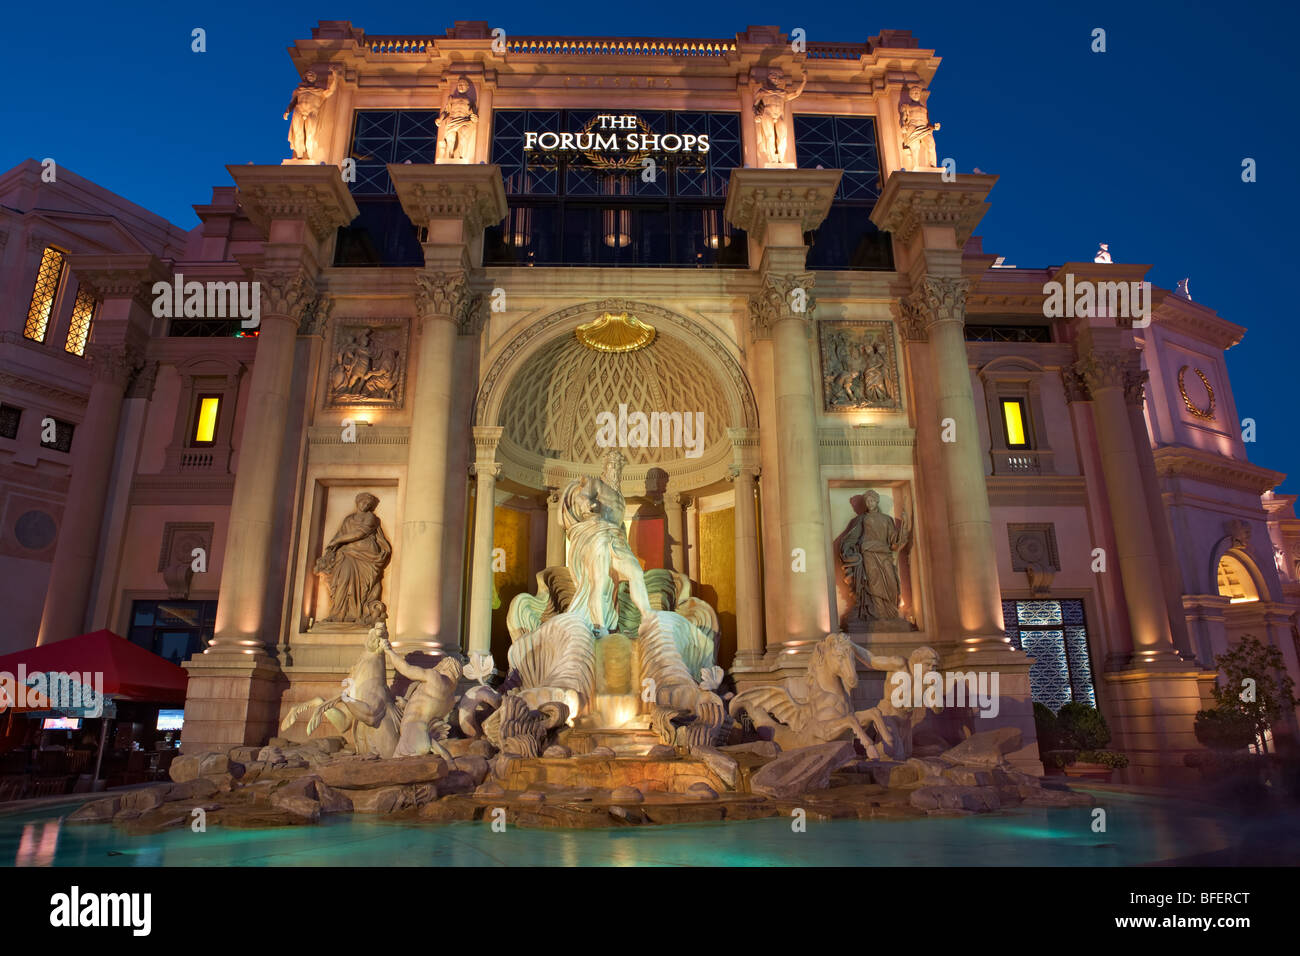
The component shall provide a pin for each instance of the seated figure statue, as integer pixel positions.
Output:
(555, 634)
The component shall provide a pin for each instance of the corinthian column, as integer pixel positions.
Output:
(485, 470)
(776, 207)
(554, 530)
(749, 597)
(455, 203)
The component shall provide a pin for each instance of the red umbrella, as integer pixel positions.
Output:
(130, 672)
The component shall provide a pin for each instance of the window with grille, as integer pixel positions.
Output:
(46, 291)
(62, 436)
(83, 314)
(1055, 635)
(176, 630)
(847, 239)
(10, 416)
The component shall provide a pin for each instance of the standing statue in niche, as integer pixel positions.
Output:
(867, 553)
(305, 106)
(769, 113)
(353, 564)
(918, 132)
(458, 125)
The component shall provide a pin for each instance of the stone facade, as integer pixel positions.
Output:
(457, 394)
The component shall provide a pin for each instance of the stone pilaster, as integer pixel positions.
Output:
(554, 530)
(749, 597)
(676, 531)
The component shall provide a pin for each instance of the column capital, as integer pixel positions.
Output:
(935, 300)
(746, 472)
(915, 201)
(472, 196)
(447, 295)
(759, 198)
(120, 276)
(316, 316)
(910, 316)
(313, 195)
(1101, 369)
(285, 289)
(782, 297)
(115, 363)
(486, 439)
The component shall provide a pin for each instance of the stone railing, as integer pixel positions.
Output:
(617, 46)
(837, 51)
(196, 460)
(1023, 461)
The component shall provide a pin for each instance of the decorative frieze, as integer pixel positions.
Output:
(368, 364)
(859, 368)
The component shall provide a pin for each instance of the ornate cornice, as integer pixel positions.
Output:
(1181, 461)
(473, 194)
(912, 200)
(314, 195)
(756, 197)
(287, 292)
(775, 302)
(119, 276)
(32, 387)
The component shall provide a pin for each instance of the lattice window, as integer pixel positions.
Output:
(10, 416)
(83, 314)
(43, 296)
(62, 437)
(847, 239)
(1055, 635)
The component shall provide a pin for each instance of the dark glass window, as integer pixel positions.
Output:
(62, 436)
(209, 328)
(9, 419)
(1055, 635)
(847, 239)
(568, 207)
(1008, 333)
(382, 234)
(176, 630)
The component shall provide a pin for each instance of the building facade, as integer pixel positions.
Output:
(493, 259)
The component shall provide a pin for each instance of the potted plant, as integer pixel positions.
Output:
(1082, 729)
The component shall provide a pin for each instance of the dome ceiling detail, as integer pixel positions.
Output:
(550, 407)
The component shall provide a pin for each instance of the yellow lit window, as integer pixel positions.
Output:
(1013, 420)
(47, 287)
(83, 313)
(205, 423)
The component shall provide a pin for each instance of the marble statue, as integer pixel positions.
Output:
(363, 370)
(1279, 560)
(517, 730)
(770, 100)
(458, 125)
(353, 563)
(867, 550)
(366, 710)
(555, 634)
(305, 106)
(1182, 290)
(898, 720)
(917, 131)
(429, 701)
(1103, 253)
(817, 708)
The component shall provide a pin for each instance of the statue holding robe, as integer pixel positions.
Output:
(353, 563)
(867, 552)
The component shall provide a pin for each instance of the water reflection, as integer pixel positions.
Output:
(38, 844)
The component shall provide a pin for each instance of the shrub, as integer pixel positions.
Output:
(1221, 729)
(1108, 758)
(1045, 724)
(1081, 727)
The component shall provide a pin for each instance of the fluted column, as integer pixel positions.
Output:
(485, 469)
(122, 285)
(693, 538)
(554, 530)
(776, 207)
(1114, 381)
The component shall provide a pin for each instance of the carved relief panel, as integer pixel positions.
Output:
(859, 368)
(367, 363)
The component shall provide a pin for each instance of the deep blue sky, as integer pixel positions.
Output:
(1140, 146)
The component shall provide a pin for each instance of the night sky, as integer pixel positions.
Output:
(1140, 146)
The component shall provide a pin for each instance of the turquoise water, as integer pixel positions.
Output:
(1138, 830)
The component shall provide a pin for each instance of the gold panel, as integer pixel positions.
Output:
(718, 574)
(511, 532)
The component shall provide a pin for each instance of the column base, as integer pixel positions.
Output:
(1154, 720)
(233, 700)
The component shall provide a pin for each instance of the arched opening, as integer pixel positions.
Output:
(1235, 581)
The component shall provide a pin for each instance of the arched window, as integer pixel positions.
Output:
(1235, 581)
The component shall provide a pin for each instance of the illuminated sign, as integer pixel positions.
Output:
(609, 133)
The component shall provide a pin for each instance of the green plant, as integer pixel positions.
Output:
(1221, 729)
(1046, 726)
(1109, 758)
(1081, 727)
(1256, 687)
